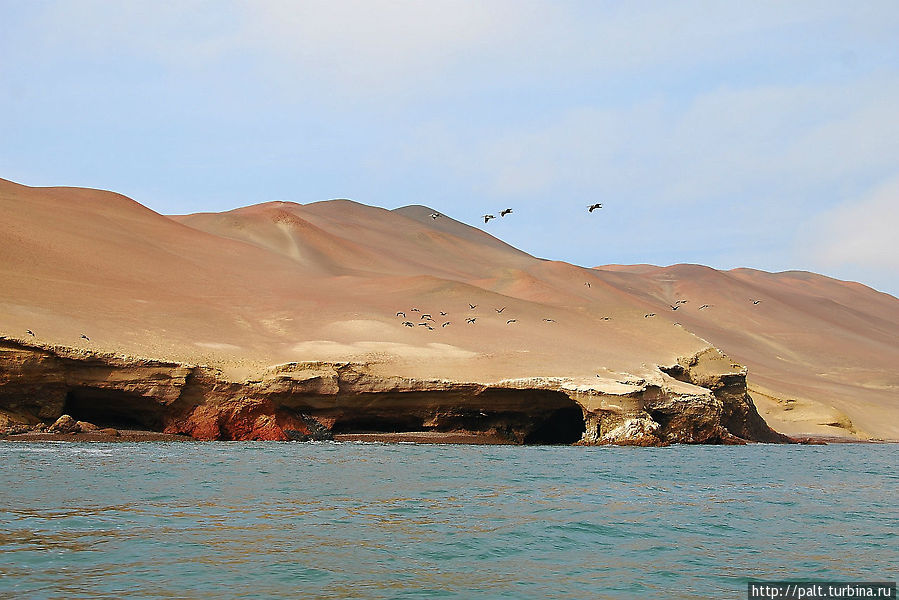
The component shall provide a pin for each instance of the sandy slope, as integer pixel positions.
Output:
(279, 282)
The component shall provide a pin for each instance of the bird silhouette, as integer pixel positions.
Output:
(605, 318)
(754, 301)
(423, 325)
(674, 306)
(593, 207)
(472, 306)
(503, 213)
(550, 320)
(429, 327)
(681, 301)
(499, 310)
(426, 317)
(415, 310)
(408, 324)
(587, 283)
(29, 332)
(471, 319)
(435, 215)
(445, 324)
(488, 217)
(703, 306)
(401, 314)
(442, 314)
(511, 321)
(649, 315)
(85, 337)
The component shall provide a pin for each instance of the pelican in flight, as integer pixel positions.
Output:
(472, 306)
(426, 317)
(550, 320)
(442, 314)
(503, 213)
(445, 324)
(401, 314)
(510, 321)
(29, 332)
(415, 310)
(408, 324)
(593, 207)
(499, 310)
(754, 301)
(488, 217)
(471, 319)
(703, 306)
(605, 318)
(674, 306)
(435, 215)
(649, 315)
(85, 337)
(423, 325)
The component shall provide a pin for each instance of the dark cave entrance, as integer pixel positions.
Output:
(377, 424)
(113, 408)
(562, 426)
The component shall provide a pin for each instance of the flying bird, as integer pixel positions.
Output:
(401, 314)
(435, 215)
(429, 327)
(593, 207)
(472, 306)
(681, 301)
(445, 324)
(511, 321)
(85, 337)
(754, 301)
(674, 306)
(499, 310)
(649, 315)
(503, 213)
(605, 318)
(426, 317)
(442, 314)
(471, 319)
(408, 324)
(488, 217)
(550, 320)
(423, 325)
(587, 283)
(415, 310)
(703, 306)
(29, 332)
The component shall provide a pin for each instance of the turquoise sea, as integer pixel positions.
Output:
(349, 520)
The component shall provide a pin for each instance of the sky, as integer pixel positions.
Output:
(762, 134)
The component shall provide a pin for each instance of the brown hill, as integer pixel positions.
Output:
(281, 282)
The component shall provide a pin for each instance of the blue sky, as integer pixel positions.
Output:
(762, 134)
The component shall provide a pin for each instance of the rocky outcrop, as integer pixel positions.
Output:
(695, 401)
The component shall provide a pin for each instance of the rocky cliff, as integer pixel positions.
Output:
(701, 399)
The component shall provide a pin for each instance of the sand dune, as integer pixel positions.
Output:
(280, 282)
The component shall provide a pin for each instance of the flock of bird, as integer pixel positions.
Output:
(508, 211)
(425, 319)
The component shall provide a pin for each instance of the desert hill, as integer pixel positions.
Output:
(282, 282)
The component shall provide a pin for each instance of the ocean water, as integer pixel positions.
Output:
(332, 520)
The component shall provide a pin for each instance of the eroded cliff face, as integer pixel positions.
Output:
(694, 401)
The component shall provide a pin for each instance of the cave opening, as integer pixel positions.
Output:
(562, 426)
(113, 408)
(361, 423)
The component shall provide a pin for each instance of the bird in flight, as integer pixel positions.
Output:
(605, 318)
(593, 207)
(445, 324)
(511, 321)
(674, 306)
(29, 332)
(754, 301)
(415, 310)
(423, 324)
(85, 337)
(649, 315)
(471, 319)
(435, 215)
(488, 217)
(703, 306)
(408, 324)
(426, 317)
(472, 306)
(401, 314)
(442, 314)
(550, 320)
(681, 301)
(499, 310)
(503, 213)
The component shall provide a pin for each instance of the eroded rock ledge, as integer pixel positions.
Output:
(700, 400)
